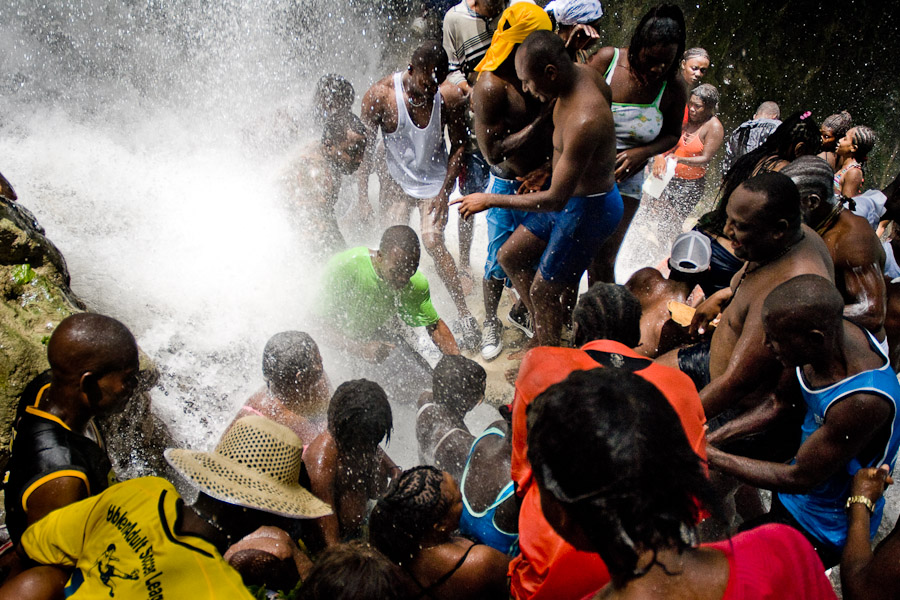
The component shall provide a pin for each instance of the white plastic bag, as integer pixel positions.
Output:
(653, 185)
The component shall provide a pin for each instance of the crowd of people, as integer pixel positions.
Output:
(645, 420)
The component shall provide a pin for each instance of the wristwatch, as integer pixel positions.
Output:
(860, 500)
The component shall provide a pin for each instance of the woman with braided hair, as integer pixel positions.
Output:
(852, 153)
(413, 525)
(834, 127)
(637, 501)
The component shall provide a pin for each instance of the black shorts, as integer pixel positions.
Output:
(693, 360)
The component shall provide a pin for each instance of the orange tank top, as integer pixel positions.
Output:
(688, 148)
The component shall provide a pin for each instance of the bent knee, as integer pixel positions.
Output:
(434, 243)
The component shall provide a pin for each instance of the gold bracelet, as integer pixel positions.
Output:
(860, 500)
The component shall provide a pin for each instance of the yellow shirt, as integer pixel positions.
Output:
(123, 543)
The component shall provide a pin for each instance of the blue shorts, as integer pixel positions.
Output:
(575, 233)
(501, 222)
(474, 177)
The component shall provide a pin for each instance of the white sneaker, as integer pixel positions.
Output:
(491, 339)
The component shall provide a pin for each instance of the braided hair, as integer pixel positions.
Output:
(781, 145)
(864, 140)
(813, 176)
(695, 53)
(359, 416)
(410, 510)
(838, 123)
(607, 312)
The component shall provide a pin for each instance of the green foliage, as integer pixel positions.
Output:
(22, 274)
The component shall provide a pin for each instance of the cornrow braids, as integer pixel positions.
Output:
(409, 510)
(781, 145)
(607, 312)
(813, 176)
(838, 123)
(864, 140)
(695, 53)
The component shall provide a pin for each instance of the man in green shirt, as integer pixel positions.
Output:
(363, 289)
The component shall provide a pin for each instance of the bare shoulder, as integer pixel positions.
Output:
(644, 281)
(380, 91)
(602, 59)
(453, 96)
(599, 81)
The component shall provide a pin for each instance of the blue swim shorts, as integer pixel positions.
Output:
(575, 233)
(501, 222)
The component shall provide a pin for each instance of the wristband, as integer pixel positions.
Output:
(861, 500)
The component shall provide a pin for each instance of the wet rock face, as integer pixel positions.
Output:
(34, 298)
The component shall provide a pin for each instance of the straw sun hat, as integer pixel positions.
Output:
(256, 465)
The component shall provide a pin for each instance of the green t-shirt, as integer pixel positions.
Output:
(355, 300)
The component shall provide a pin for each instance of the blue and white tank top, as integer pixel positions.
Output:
(821, 511)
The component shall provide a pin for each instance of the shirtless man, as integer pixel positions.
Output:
(93, 371)
(297, 390)
(687, 266)
(421, 172)
(852, 419)
(855, 249)
(514, 135)
(765, 229)
(582, 206)
(313, 182)
(345, 466)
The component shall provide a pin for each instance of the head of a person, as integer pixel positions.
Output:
(763, 216)
(656, 44)
(359, 417)
(458, 383)
(291, 362)
(517, 22)
(543, 65)
(334, 96)
(422, 504)
(703, 103)
(397, 258)
(639, 492)
(344, 142)
(94, 360)
(834, 127)
(797, 136)
(814, 179)
(857, 142)
(488, 8)
(565, 15)
(768, 110)
(607, 312)
(802, 318)
(427, 68)
(353, 571)
(694, 65)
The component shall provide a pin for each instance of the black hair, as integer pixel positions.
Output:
(782, 197)
(337, 128)
(400, 236)
(457, 381)
(812, 176)
(544, 47)
(804, 303)
(90, 342)
(708, 95)
(780, 145)
(431, 55)
(642, 487)
(359, 415)
(607, 312)
(839, 123)
(291, 358)
(410, 510)
(353, 571)
(864, 140)
(334, 95)
(663, 25)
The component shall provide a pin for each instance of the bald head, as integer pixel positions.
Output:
(768, 110)
(543, 48)
(803, 304)
(88, 342)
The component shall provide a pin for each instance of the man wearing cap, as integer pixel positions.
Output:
(687, 268)
(514, 133)
(139, 540)
(582, 207)
(412, 109)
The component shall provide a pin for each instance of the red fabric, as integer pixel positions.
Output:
(548, 566)
(686, 150)
(773, 561)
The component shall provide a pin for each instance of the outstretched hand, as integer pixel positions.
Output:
(472, 204)
(437, 206)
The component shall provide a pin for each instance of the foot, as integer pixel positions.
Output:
(468, 335)
(491, 339)
(521, 320)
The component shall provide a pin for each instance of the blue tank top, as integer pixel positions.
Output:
(821, 511)
(480, 525)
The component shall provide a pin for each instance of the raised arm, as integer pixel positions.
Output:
(850, 426)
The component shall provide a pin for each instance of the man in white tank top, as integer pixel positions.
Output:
(412, 109)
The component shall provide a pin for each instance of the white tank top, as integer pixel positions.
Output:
(416, 158)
